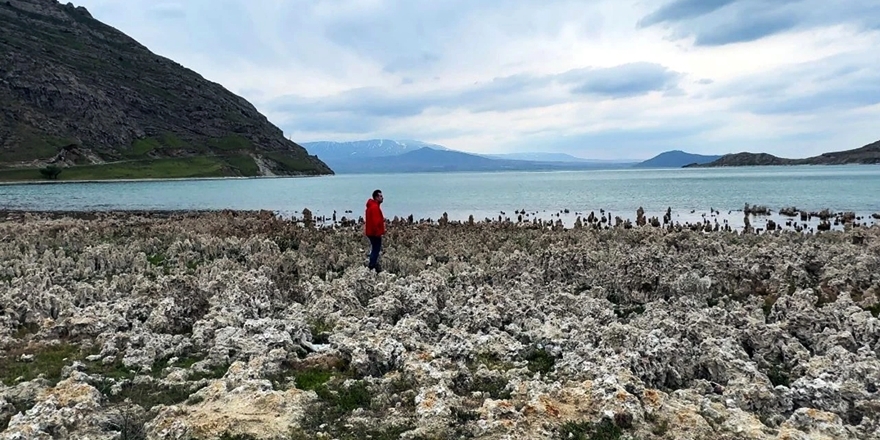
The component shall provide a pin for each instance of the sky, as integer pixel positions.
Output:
(603, 79)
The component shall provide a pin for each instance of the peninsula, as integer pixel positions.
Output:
(867, 155)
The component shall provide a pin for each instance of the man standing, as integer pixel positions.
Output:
(374, 228)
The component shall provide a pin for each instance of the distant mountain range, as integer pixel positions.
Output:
(869, 154)
(385, 156)
(398, 156)
(367, 148)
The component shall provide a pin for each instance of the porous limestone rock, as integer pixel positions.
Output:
(511, 331)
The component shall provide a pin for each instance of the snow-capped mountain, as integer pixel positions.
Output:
(367, 148)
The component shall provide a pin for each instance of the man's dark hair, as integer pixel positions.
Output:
(376, 193)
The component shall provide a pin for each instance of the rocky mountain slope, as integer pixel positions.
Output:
(869, 154)
(76, 92)
(244, 325)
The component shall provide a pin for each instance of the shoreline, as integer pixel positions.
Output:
(706, 221)
(158, 179)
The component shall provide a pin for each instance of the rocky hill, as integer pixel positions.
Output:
(82, 95)
(675, 159)
(869, 154)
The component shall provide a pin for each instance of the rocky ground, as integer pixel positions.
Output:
(245, 326)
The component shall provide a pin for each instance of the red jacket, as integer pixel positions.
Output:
(374, 225)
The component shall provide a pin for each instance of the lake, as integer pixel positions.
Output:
(690, 192)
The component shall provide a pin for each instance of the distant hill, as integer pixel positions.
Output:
(869, 154)
(327, 150)
(83, 96)
(745, 159)
(675, 159)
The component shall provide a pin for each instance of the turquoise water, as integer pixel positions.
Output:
(428, 195)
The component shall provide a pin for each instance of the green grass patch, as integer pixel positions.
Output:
(769, 302)
(167, 168)
(157, 259)
(47, 362)
(492, 361)
(142, 147)
(116, 370)
(190, 167)
(345, 398)
(29, 146)
(337, 398)
(874, 309)
(27, 329)
(20, 174)
(148, 394)
(603, 430)
(184, 362)
(336, 401)
(539, 360)
(321, 329)
(291, 162)
(244, 165)
(779, 376)
(230, 143)
(215, 372)
(354, 432)
(312, 379)
(227, 436)
(171, 140)
(495, 386)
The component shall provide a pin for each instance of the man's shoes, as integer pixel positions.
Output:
(377, 267)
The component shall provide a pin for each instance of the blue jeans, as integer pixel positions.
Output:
(376, 243)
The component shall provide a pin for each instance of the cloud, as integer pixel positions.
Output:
(625, 81)
(502, 94)
(745, 30)
(621, 143)
(167, 11)
(722, 22)
(836, 83)
(683, 9)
